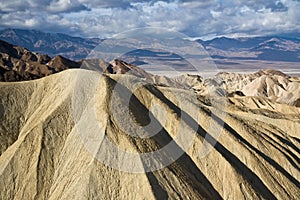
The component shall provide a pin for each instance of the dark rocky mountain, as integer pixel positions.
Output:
(20, 64)
(225, 43)
(74, 48)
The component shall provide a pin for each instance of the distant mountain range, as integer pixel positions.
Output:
(271, 48)
(223, 50)
(53, 44)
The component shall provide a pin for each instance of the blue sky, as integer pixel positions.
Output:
(195, 18)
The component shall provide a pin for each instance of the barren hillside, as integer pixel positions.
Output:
(56, 132)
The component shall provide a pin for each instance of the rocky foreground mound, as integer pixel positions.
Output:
(54, 134)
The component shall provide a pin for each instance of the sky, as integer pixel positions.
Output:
(195, 18)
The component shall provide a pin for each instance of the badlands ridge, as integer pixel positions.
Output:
(81, 134)
(48, 148)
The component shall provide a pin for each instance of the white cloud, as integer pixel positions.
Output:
(193, 17)
(66, 6)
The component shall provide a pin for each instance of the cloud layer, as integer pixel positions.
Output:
(196, 18)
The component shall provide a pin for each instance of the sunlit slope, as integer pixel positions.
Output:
(51, 149)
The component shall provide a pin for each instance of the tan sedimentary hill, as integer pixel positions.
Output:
(50, 145)
(278, 88)
(271, 84)
(236, 81)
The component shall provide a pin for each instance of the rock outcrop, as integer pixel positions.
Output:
(19, 64)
